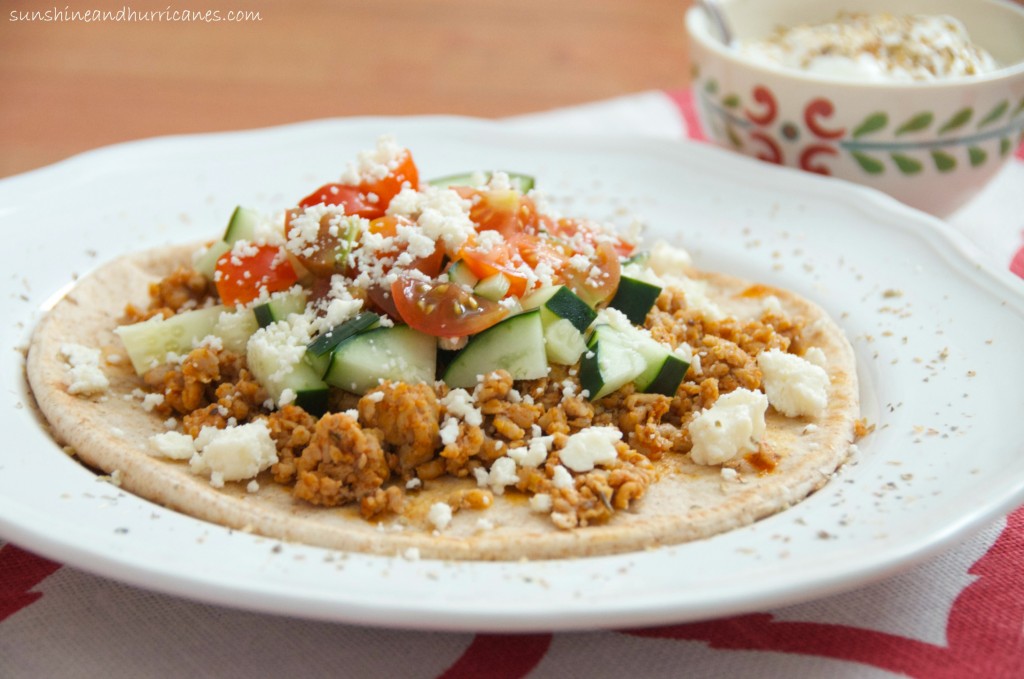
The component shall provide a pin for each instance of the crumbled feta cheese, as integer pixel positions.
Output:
(172, 445)
(85, 377)
(730, 474)
(253, 486)
(794, 386)
(411, 554)
(376, 164)
(772, 305)
(541, 503)
(502, 474)
(481, 476)
(588, 448)
(696, 294)
(817, 357)
(732, 426)
(235, 453)
(413, 483)
(562, 478)
(440, 515)
(441, 214)
(459, 403)
(668, 260)
(449, 431)
(151, 401)
(534, 453)
(274, 351)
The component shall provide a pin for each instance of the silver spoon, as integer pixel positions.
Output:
(718, 20)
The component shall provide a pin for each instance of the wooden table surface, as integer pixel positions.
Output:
(70, 85)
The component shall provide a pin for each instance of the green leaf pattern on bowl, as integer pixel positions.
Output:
(959, 141)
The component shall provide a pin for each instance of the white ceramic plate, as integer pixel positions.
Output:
(937, 337)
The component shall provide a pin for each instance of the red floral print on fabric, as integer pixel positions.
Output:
(983, 631)
(20, 571)
(499, 656)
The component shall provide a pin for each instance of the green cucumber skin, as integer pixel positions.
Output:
(568, 305)
(514, 344)
(521, 182)
(206, 263)
(669, 377)
(241, 226)
(319, 351)
(354, 362)
(326, 342)
(264, 315)
(279, 307)
(313, 401)
(590, 373)
(635, 298)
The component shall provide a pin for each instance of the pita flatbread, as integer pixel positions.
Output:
(688, 501)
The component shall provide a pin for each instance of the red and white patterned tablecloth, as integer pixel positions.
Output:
(960, 614)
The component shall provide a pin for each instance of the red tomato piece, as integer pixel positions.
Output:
(352, 199)
(591, 234)
(599, 281)
(501, 258)
(443, 309)
(506, 211)
(388, 228)
(387, 188)
(537, 249)
(242, 278)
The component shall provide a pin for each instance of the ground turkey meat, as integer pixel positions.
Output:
(407, 416)
(342, 463)
(291, 427)
(183, 289)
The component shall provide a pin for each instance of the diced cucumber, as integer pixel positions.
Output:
(273, 360)
(149, 342)
(235, 328)
(206, 262)
(664, 371)
(397, 353)
(558, 301)
(638, 258)
(609, 363)
(279, 306)
(515, 344)
(459, 272)
(519, 182)
(242, 225)
(563, 343)
(493, 287)
(635, 298)
(318, 352)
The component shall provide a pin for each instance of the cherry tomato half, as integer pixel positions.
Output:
(388, 228)
(502, 257)
(569, 229)
(443, 309)
(387, 188)
(598, 281)
(506, 211)
(352, 199)
(241, 278)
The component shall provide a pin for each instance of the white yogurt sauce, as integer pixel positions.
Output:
(878, 47)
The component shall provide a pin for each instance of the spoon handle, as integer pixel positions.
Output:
(717, 17)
